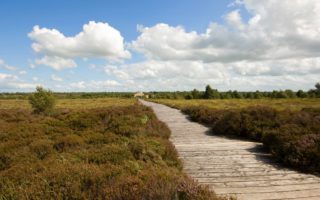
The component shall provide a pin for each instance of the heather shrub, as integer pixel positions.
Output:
(41, 148)
(5, 161)
(64, 143)
(42, 101)
(106, 153)
(113, 154)
(291, 136)
(203, 114)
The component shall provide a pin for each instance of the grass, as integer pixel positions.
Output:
(74, 104)
(278, 104)
(90, 149)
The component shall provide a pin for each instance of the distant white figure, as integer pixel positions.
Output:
(140, 95)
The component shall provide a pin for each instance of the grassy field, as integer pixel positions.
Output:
(278, 104)
(95, 149)
(74, 104)
(288, 128)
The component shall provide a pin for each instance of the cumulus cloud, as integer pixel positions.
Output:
(277, 47)
(97, 40)
(56, 78)
(57, 63)
(106, 85)
(4, 65)
(281, 40)
(22, 72)
(167, 75)
(276, 30)
(8, 82)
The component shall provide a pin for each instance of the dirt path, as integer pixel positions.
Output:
(233, 166)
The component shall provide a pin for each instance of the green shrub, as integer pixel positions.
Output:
(42, 101)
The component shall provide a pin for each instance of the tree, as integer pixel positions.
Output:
(318, 86)
(257, 95)
(195, 94)
(42, 101)
(318, 89)
(301, 94)
(236, 95)
(290, 94)
(210, 93)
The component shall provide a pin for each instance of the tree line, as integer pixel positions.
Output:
(211, 93)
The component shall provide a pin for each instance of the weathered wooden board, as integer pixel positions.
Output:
(231, 166)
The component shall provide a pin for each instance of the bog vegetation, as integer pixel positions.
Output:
(112, 152)
(289, 129)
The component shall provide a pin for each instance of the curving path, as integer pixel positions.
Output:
(233, 167)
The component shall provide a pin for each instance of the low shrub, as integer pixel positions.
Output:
(64, 143)
(5, 162)
(111, 153)
(41, 148)
(291, 136)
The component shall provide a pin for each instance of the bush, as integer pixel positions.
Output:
(41, 148)
(293, 138)
(42, 101)
(111, 153)
(67, 142)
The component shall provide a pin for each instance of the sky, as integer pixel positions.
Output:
(148, 45)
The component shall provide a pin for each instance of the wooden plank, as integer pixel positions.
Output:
(230, 166)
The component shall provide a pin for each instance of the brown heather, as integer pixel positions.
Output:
(116, 153)
(293, 137)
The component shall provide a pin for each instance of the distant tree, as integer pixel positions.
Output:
(208, 94)
(42, 101)
(228, 95)
(301, 94)
(189, 96)
(236, 95)
(290, 94)
(211, 93)
(195, 94)
(257, 94)
(249, 95)
(317, 89)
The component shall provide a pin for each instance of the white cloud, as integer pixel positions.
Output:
(276, 30)
(56, 63)
(278, 47)
(56, 78)
(78, 85)
(22, 72)
(97, 40)
(106, 85)
(4, 65)
(8, 82)
(278, 44)
(164, 42)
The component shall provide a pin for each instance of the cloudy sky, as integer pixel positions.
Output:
(143, 45)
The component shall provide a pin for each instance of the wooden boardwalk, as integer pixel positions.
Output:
(233, 167)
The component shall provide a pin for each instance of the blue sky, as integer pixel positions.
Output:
(190, 53)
